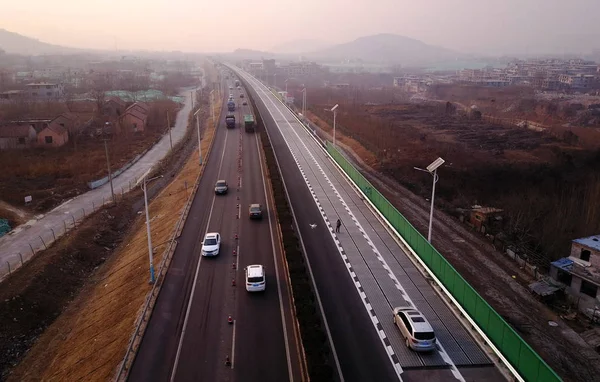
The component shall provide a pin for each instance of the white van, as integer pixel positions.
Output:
(255, 278)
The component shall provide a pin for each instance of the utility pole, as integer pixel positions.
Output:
(170, 136)
(112, 191)
(199, 136)
(192, 97)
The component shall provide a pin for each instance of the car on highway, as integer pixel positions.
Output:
(211, 244)
(239, 88)
(231, 88)
(415, 328)
(245, 103)
(255, 211)
(255, 278)
(242, 95)
(221, 187)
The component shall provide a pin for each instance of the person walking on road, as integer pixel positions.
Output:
(338, 225)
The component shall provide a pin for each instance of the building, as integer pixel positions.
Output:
(580, 272)
(300, 69)
(113, 107)
(12, 95)
(54, 135)
(45, 91)
(578, 81)
(17, 137)
(135, 117)
(142, 107)
(37, 124)
(484, 218)
(68, 120)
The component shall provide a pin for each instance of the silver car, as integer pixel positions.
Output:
(221, 187)
(415, 328)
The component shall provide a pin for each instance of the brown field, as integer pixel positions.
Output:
(52, 176)
(88, 340)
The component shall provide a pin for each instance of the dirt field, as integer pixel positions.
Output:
(540, 181)
(81, 329)
(475, 258)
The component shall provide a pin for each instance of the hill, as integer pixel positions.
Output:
(300, 46)
(386, 48)
(15, 43)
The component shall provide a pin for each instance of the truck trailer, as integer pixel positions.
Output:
(230, 121)
(249, 123)
(231, 105)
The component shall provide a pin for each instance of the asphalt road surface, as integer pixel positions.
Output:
(188, 336)
(362, 272)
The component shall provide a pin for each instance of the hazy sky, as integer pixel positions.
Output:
(485, 26)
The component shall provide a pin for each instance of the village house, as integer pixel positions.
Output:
(54, 135)
(113, 107)
(17, 137)
(37, 123)
(140, 106)
(580, 273)
(68, 120)
(135, 117)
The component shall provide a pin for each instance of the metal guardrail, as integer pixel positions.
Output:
(140, 328)
(522, 361)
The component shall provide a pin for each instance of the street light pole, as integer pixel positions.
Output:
(334, 109)
(212, 106)
(303, 101)
(435, 180)
(199, 136)
(112, 190)
(149, 234)
(432, 169)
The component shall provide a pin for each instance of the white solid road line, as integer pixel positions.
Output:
(456, 373)
(189, 307)
(233, 346)
(285, 336)
(312, 277)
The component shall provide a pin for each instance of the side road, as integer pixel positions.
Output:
(27, 239)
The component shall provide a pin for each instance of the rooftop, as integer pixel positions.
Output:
(590, 241)
(588, 273)
(42, 84)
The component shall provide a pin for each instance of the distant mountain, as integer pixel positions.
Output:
(386, 48)
(251, 54)
(300, 46)
(15, 43)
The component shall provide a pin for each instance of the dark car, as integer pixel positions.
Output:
(221, 187)
(241, 95)
(255, 211)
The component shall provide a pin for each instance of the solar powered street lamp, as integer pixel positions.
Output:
(432, 169)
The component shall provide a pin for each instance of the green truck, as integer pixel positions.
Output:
(249, 123)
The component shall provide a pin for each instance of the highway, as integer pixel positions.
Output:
(188, 336)
(362, 273)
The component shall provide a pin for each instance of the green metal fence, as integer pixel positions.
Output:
(522, 357)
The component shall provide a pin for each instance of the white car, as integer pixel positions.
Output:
(211, 244)
(255, 278)
(415, 328)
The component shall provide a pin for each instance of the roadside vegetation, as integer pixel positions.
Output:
(69, 313)
(314, 339)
